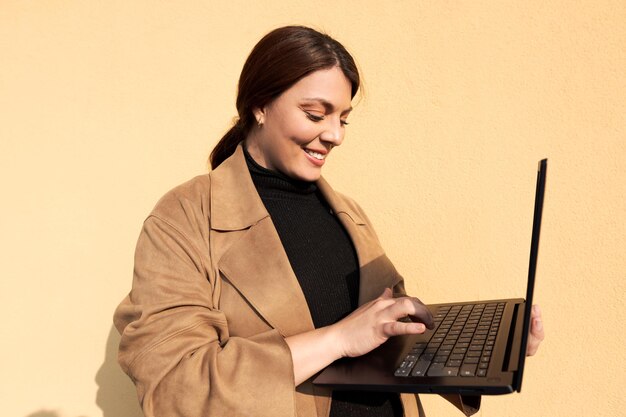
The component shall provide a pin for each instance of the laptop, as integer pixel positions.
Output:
(476, 348)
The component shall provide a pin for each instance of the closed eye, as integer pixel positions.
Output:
(313, 117)
(317, 118)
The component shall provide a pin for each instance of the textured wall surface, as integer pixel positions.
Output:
(106, 105)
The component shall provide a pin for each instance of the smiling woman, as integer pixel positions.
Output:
(251, 279)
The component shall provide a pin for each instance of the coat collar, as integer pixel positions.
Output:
(337, 204)
(236, 204)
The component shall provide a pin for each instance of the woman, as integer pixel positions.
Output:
(251, 279)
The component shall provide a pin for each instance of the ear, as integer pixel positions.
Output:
(259, 115)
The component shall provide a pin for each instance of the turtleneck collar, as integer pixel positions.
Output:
(268, 181)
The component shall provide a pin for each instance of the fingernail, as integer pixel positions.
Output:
(538, 324)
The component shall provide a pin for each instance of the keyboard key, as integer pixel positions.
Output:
(402, 372)
(446, 371)
(467, 370)
(435, 365)
(454, 362)
(420, 368)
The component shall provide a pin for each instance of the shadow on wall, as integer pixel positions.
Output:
(116, 395)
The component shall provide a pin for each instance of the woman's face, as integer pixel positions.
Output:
(300, 127)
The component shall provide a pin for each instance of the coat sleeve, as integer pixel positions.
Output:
(175, 344)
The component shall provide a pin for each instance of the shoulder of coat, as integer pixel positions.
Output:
(185, 201)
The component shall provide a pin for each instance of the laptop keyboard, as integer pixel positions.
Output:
(461, 345)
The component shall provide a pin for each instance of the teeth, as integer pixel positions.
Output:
(315, 154)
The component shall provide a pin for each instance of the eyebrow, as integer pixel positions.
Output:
(328, 106)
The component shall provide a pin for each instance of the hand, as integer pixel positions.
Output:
(373, 323)
(536, 334)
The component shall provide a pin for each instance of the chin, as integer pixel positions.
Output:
(307, 175)
(308, 178)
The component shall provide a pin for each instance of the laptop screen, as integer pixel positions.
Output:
(532, 267)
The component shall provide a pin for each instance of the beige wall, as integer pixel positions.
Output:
(105, 105)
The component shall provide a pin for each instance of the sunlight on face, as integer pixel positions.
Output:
(302, 125)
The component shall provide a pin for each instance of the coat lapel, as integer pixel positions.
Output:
(251, 255)
(258, 267)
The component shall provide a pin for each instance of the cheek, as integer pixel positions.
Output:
(292, 127)
(301, 132)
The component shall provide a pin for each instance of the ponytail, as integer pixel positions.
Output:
(227, 145)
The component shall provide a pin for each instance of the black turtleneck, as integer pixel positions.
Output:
(325, 263)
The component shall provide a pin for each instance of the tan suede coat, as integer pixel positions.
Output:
(214, 296)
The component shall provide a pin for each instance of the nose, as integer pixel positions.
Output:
(333, 134)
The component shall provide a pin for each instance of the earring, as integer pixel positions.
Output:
(259, 123)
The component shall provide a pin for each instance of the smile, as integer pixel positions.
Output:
(315, 155)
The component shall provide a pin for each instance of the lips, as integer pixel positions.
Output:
(316, 157)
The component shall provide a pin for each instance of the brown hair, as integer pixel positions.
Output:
(279, 60)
